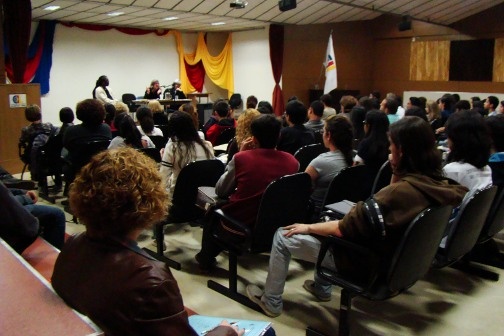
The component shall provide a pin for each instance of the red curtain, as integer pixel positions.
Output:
(124, 30)
(276, 45)
(196, 75)
(17, 15)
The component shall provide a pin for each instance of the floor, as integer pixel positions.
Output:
(445, 302)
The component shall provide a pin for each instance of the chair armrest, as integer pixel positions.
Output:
(343, 246)
(235, 223)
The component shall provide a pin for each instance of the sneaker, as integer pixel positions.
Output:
(309, 285)
(255, 294)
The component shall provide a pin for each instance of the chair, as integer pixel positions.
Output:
(307, 153)
(382, 178)
(24, 155)
(164, 128)
(465, 229)
(50, 163)
(388, 277)
(127, 99)
(183, 208)
(153, 153)
(225, 136)
(284, 202)
(159, 141)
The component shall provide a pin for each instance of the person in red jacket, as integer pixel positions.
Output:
(221, 116)
(247, 175)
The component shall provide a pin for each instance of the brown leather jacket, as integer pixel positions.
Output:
(122, 289)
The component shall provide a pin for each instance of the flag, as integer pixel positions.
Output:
(331, 76)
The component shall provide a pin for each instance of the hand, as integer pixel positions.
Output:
(247, 144)
(33, 196)
(161, 151)
(235, 328)
(297, 228)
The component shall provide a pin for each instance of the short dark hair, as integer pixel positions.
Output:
(222, 108)
(90, 111)
(66, 115)
(414, 137)
(110, 112)
(462, 105)
(33, 113)
(251, 102)
(469, 137)
(494, 101)
(417, 112)
(296, 111)
(326, 99)
(145, 119)
(391, 105)
(318, 108)
(266, 130)
(448, 102)
(496, 127)
(415, 101)
(265, 107)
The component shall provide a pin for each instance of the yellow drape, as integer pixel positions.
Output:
(430, 61)
(498, 68)
(218, 68)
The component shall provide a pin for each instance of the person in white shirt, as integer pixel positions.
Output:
(491, 104)
(102, 92)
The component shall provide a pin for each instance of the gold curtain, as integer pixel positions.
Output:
(498, 66)
(430, 61)
(218, 68)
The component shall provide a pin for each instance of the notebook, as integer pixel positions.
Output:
(204, 324)
(341, 208)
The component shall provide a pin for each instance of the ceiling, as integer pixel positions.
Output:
(198, 15)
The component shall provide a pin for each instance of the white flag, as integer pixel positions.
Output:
(331, 76)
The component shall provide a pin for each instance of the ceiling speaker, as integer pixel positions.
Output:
(285, 5)
(405, 24)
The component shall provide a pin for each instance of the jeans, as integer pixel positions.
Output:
(52, 222)
(304, 247)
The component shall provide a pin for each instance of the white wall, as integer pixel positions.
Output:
(131, 62)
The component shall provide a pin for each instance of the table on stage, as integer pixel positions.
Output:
(163, 102)
(199, 96)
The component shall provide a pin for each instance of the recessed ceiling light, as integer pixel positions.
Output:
(52, 8)
(218, 23)
(171, 18)
(115, 13)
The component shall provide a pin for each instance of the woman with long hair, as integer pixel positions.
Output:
(146, 121)
(184, 146)
(129, 135)
(373, 150)
(243, 131)
(102, 92)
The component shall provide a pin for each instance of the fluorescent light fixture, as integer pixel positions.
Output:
(171, 18)
(52, 8)
(218, 23)
(115, 13)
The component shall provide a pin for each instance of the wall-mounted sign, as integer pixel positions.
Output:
(17, 100)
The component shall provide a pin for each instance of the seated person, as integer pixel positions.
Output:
(33, 136)
(223, 121)
(337, 137)
(51, 219)
(327, 100)
(496, 126)
(153, 91)
(145, 119)
(417, 183)
(243, 131)
(158, 114)
(212, 120)
(110, 112)
(296, 135)
(67, 117)
(102, 91)
(129, 135)
(315, 112)
(102, 273)
(247, 175)
(176, 92)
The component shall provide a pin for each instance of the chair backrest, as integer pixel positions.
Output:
(153, 153)
(159, 141)
(127, 98)
(225, 136)
(414, 254)
(49, 156)
(495, 219)
(86, 151)
(383, 177)
(307, 153)
(352, 184)
(466, 227)
(284, 202)
(164, 129)
(194, 175)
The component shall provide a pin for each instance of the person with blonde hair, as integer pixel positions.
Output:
(158, 114)
(434, 116)
(103, 273)
(243, 131)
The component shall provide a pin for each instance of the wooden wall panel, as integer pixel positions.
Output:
(430, 61)
(498, 66)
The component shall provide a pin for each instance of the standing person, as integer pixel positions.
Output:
(153, 91)
(102, 92)
(417, 184)
(102, 273)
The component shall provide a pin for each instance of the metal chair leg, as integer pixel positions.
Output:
(345, 308)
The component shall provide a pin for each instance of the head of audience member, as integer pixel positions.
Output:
(327, 100)
(468, 138)
(221, 109)
(389, 105)
(295, 113)
(347, 103)
(495, 126)
(474, 99)
(491, 103)
(66, 115)
(338, 134)
(128, 130)
(423, 102)
(478, 107)
(291, 98)
(155, 106)
(316, 110)
(413, 148)
(110, 113)
(357, 118)
(91, 112)
(264, 107)
(433, 112)
(33, 114)
(375, 95)
(121, 107)
(189, 109)
(235, 101)
(501, 107)
(243, 125)
(417, 112)
(251, 102)
(119, 193)
(446, 102)
(145, 119)
(462, 105)
(266, 130)
(367, 103)
(456, 97)
(181, 127)
(413, 101)
(376, 123)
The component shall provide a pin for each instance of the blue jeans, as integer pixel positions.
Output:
(304, 247)
(52, 222)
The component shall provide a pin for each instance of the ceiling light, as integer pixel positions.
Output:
(115, 13)
(52, 8)
(171, 18)
(218, 23)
